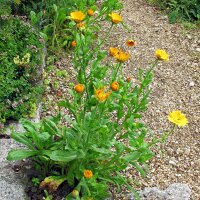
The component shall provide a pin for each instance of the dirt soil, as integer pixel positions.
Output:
(176, 86)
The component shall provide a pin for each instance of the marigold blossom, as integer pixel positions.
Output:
(113, 51)
(90, 12)
(114, 86)
(115, 18)
(122, 56)
(131, 43)
(77, 16)
(88, 173)
(178, 118)
(162, 55)
(73, 43)
(101, 95)
(79, 88)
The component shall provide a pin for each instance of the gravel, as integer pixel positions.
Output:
(175, 87)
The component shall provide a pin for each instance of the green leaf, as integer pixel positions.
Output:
(20, 154)
(139, 168)
(22, 138)
(62, 156)
(132, 156)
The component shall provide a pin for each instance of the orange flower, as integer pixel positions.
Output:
(73, 43)
(90, 12)
(101, 95)
(113, 51)
(115, 18)
(114, 86)
(79, 88)
(88, 173)
(77, 16)
(122, 56)
(131, 43)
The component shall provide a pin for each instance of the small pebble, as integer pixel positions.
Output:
(192, 84)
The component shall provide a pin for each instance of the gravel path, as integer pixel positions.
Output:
(176, 85)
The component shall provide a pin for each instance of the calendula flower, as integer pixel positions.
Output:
(88, 173)
(131, 43)
(73, 43)
(113, 51)
(115, 18)
(90, 12)
(114, 86)
(77, 16)
(122, 56)
(178, 118)
(79, 88)
(162, 55)
(101, 95)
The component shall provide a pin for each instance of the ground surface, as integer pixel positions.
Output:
(176, 86)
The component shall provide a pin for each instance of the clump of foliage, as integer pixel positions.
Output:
(20, 61)
(103, 132)
(51, 18)
(180, 9)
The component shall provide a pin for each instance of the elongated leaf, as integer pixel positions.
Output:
(20, 154)
(132, 156)
(20, 137)
(51, 127)
(62, 156)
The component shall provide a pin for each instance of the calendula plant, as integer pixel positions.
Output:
(103, 132)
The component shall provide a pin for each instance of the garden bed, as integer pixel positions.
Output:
(87, 90)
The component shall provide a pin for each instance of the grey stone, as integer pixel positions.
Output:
(12, 184)
(178, 191)
(175, 191)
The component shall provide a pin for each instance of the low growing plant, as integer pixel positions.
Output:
(103, 132)
(20, 61)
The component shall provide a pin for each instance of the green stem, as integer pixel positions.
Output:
(164, 137)
(119, 64)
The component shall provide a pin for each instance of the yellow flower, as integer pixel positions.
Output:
(131, 43)
(90, 12)
(178, 118)
(77, 16)
(162, 55)
(122, 56)
(114, 86)
(79, 88)
(101, 95)
(88, 173)
(115, 18)
(113, 51)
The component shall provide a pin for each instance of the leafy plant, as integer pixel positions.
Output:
(180, 9)
(20, 61)
(103, 132)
